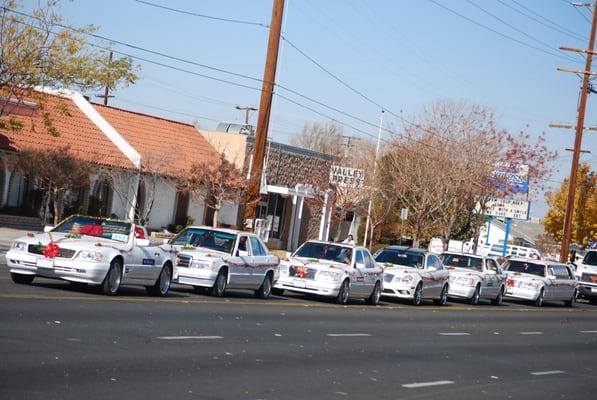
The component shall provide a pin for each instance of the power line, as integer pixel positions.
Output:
(236, 21)
(513, 27)
(497, 32)
(578, 11)
(554, 25)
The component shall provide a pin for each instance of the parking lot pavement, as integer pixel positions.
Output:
(59, 341)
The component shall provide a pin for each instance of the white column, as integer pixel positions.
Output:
(135, 188)
(291, 230)
(298, 223)
(324, 211)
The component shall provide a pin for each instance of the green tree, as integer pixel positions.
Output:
(584, 218)
(40, 50)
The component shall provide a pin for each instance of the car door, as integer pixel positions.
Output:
(551, 284)
(429, 284)
(259, 261)
(372, 272)
(564, 284)
(140, 263)
(239, 265)
(491, 278)
(358, 285)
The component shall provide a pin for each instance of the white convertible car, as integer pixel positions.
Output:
(220, 259)
(93, 250)
(413, 274)
(540, 281)
(474, 277)
(337, 270)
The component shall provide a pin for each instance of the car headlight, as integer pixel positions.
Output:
(200, 265)
(328, 275)
(283, 269)
(464, 281)
(21, 246)
(407, 279)
(90, 255)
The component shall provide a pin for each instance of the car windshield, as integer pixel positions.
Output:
(525, 267)
(401, 257)
(325, 251)
(460, 261)
(95, 226)
(590, 258)
(206, 238)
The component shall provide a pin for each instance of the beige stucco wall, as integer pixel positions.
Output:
(233, 145)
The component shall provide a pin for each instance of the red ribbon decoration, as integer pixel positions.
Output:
(51, 250)
(301, 272)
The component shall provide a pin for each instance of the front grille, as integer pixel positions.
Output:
(388, 277)
(302, 272)
(64, 253)
(591, 278)
(183, 261)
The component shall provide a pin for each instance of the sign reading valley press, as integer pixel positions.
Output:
(346, 176)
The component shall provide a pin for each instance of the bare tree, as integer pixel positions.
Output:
(324, 137)
(55, 171)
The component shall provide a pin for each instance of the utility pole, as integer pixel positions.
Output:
(265, 104)
(584, 91)
(246, 110)
(106, 94)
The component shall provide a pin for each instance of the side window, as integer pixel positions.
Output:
(369, 261)
(359, 258)
(491, 265)
(242, 244)
(257, 247)
(561, 272)
(433, 261)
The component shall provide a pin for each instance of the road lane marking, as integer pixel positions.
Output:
(531, 333)
(588, 331)
(547, 372)
(425, 384)
(189, 337)
(454, 334)
(348, 334)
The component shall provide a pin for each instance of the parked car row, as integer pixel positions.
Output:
(112, 253)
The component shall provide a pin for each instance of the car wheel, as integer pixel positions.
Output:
(266, 288)
(21, 278)
(219, 287)
(499, 298)
(343, 293)
(418, 295)
(111, 283)
(278, 292)
(475, 299)
(539, 301)
(572, 301)
(443, 297)
(162, 285)
(373, 299)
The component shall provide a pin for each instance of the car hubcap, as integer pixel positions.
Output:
(377, 294)
(267, 287)
(165, 283)
(221, 283)
(115, 278)
(344, 293)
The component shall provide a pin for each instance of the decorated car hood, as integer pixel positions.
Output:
(401, 270)
(455, 271)
(203, 254)
(64, 240)
(316, 264)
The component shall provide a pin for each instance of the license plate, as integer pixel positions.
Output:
(44, 263)
(594, 290)
(299, 284)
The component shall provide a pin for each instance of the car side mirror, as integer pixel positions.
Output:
(243, 253)
(48, 228)
(142, 242)
(551, 277)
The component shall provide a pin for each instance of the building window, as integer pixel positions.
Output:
(100, 201)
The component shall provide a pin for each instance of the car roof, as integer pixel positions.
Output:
(541, 262)
(465, 254)
(211, 228)
(352, 246)
(405, 248)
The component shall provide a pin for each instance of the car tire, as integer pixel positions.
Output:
(277, 292)
(499, 298)
(113, 279)
(266, 287)
(219, 287)
(418, 295)
(474, 300)
(22, 279)
(539, 301)
(373, 299)
(593, 302)
(343, 293)
(443, 297)
(162, 285)
(572, 301)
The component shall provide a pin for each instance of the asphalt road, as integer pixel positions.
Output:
(58, 341)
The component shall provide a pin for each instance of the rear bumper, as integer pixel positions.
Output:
(521, 294)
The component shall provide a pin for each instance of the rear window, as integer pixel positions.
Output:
(525, 267)
(590, 258)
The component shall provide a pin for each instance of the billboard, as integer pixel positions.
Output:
(511, 179)
(508, 208)
(347, 177)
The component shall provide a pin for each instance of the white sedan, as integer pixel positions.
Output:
(538, 281)
(218, 259)
(474, 277)
(337, 270)
(413, 274)
(93, 250)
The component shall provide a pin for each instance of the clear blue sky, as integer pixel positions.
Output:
(403, 54)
